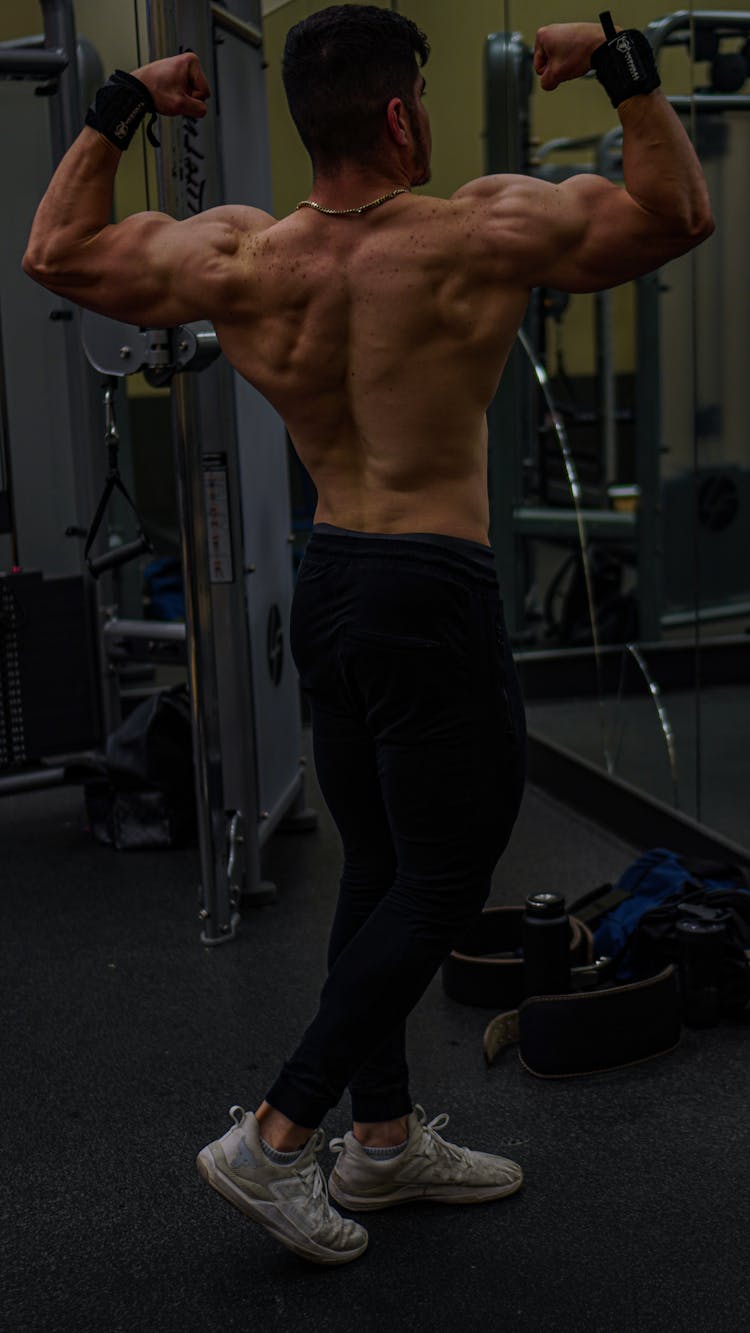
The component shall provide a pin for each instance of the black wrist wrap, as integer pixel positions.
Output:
(119, 107)
(626, 66)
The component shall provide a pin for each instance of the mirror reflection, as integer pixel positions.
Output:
(619, 509)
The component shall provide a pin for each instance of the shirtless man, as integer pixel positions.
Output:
(378, 324)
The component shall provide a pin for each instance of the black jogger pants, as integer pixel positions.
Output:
(419, 742)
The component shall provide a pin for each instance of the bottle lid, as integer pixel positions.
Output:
(701, 927)
(545, 904)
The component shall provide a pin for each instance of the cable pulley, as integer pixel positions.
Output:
(120, 555)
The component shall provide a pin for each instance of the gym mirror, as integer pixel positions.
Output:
(619, 514)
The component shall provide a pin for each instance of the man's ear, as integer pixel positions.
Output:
(398, 123)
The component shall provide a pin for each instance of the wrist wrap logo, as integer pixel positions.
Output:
(625, 47)
(121, 129)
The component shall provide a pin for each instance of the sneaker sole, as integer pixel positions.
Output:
(305, 1248)
(419, 1194)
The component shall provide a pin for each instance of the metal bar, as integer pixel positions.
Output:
(606, 142)
(605, 343)
(201, 662)
(566, 145)
(673, 619)
(661, 30)
(31, 781)
(549, 522)
(60, 37)
(66, 122)
(648, 447)
(606, 384)
(271, 819)
(512, 412)
(247, 32)
(218, 918)
(658, 31)
(164, 631)
(32, 64)
(712, 102)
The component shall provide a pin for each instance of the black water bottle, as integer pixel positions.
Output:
(545, 938)
(700, 946)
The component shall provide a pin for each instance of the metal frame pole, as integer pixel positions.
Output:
(511, 413)
(218, 914)
(66, 122)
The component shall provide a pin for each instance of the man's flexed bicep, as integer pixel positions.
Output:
(152, 270)
(608, 235)
(587, 234)
(148, 269)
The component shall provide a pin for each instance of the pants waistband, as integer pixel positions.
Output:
(345, 540)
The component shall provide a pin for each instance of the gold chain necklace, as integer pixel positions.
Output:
(346, 212)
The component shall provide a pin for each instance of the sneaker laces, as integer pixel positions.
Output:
(433, 1144)
(311, 1174)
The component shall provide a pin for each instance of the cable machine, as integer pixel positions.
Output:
(230, 461)
(636, 501)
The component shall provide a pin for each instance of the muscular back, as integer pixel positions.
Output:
(380, 340)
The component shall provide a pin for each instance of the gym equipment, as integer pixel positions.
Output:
(122, 554)
(48, 678)
(530, 492)
(486, 968)
(638, 488)
(230, 449)
(117, 350)
(231, 462)
(591, 1031)
(52, 466)
(590, 1027)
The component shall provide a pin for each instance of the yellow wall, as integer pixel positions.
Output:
(455, 96)
(455, 100)
(110, 26)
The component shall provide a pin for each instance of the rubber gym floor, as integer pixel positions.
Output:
(125, 1042)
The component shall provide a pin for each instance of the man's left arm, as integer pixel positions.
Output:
(148, 269)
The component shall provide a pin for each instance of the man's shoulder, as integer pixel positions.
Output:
(238, 219)
(493, 189)
(495, 216)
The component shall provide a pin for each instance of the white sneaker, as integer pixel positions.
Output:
(289, 1201)
(428, 1168)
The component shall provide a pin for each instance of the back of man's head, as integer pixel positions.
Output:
(341, 68)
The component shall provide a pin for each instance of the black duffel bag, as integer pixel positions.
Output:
(142, 794)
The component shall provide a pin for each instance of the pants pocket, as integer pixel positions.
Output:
(395, 641)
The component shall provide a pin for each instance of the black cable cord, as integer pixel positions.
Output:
(697, 566)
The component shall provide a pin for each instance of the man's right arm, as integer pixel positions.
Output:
(588, 234)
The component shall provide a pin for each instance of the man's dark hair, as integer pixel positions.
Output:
(341, 68)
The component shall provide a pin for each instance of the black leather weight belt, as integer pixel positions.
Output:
(598, 1026)
(488, 967)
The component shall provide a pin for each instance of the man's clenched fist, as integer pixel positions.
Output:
(563, 51)
(177, 85)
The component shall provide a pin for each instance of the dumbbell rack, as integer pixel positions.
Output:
(12, 731)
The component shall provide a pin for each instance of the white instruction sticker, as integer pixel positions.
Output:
(221, 568)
